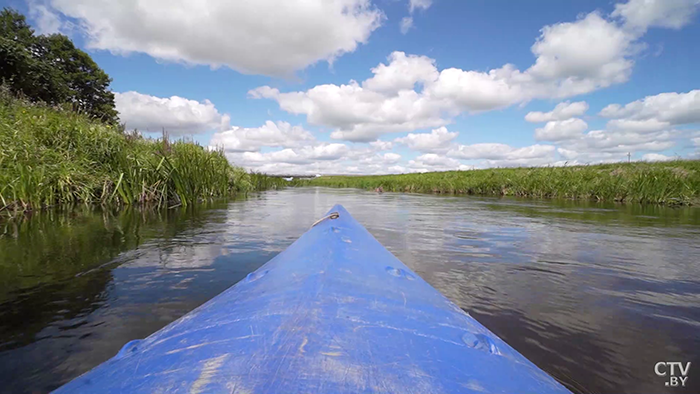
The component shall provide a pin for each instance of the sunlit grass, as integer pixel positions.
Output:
(673, 182)
(53, 156)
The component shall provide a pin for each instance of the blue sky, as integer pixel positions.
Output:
(269, 81)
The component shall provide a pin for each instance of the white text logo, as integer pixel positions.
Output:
(674, 371)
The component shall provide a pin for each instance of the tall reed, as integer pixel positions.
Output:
(673, 182)
(55, 156)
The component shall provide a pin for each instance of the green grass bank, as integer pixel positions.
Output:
(51, 156)
(671, 183)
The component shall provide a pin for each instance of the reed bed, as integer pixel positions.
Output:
(672, 183)
(51, 156)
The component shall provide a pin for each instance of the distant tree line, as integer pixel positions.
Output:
(51, 69)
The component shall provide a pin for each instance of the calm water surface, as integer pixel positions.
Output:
(593, 294)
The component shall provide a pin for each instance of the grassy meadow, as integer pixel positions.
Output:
(672, 183)
(54, 156)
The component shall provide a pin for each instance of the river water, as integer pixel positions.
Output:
(594, 294)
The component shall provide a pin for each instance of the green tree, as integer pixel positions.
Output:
(13, 26)
(51, 69)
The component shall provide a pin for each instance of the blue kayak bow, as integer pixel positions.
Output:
(334, 313)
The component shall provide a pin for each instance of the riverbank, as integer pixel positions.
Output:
(670, 183)
(52, 156)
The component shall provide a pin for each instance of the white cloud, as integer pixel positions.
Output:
(391, 157)
(656, 157)
(381, 145)
(672, 108)
(560, 57)
(603, 141)
(419, 4)
(413, 5)
(496, 151)
(642, 14)
(280, 134)
(562, 111)
(558, 130)
(406, 24)
(642, 126)
(524, 162)
(437, 140)
(176, 114)
(299, 152)
(638, 126)
(409, 92)
(47, 22)
(458, 90)
(371, 162)
(259, 37)
(572, 157)
(323, 158)
(356, 113)
(435, 162)
(303, 155)
(402, 73)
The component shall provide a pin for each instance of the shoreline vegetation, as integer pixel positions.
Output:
(668, 183)
(62, 142)
(52, 155)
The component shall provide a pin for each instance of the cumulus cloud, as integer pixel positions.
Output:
(259, 37)
(656, 157)
(605, 145)
(322, 158)
(604, 62)
(402, 73)
(642, 14)
(457, 90)
(638, 126)
(563, 111)
(637, 130)
(559, 130)
(435, 162)
(358, 114)
(297, 151)
(391, 157)
(175, 114)
(280, 134)
(303, 155)
(669, 108)
(648, 125)
(381, 145)
(497, 151)
(409, 92)
(438, 140)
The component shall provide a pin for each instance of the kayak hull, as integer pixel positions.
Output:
(334, 313)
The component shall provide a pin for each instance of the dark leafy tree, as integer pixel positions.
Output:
(51, 69)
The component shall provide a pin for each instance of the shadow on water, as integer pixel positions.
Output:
(595, 294)
(75, 285)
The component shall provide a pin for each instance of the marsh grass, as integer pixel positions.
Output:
(671, 183)
(51, 156)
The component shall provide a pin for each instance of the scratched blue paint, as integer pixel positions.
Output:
(334, 313)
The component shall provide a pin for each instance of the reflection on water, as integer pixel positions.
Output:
(594, 294)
